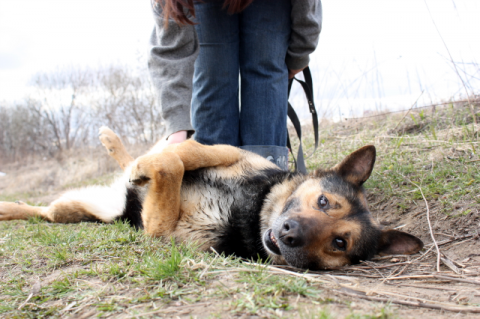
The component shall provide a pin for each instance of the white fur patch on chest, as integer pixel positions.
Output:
(205, 213)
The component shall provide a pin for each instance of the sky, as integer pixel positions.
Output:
(372, 54)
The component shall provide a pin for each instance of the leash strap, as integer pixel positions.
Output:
(307, 86)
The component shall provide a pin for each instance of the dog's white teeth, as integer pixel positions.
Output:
(272, 237)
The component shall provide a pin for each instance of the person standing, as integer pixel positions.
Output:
(221, 68)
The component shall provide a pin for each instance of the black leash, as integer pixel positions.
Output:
(307, 86)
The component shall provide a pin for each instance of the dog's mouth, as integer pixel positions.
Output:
(270, 242)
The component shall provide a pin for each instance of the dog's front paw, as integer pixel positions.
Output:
(166, 166)
(142, 170)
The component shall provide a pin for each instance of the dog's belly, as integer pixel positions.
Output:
(223, 212)
(205, 215)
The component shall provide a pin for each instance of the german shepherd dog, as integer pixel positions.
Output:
(237, 203)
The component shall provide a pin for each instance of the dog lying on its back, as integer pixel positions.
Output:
(237, 203)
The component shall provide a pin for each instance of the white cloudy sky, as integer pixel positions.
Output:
(372, 54)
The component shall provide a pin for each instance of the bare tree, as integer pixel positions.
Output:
(69, 105)
(125, 101)
(56, 103)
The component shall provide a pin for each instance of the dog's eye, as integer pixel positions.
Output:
(340, 244)
(322, 201)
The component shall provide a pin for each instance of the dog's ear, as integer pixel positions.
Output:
(394, 242)
(357, 167)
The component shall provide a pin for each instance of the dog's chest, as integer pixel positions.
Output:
(222, 213)
(205, 210)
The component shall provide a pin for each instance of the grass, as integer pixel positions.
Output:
(115, 271)
(94, 262)
(434, 149)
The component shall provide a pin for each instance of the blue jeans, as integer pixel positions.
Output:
(251, 45)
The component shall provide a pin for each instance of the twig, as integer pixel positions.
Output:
(424, 254)
(461, 242)
(169, 309)
(447, 262)
(449, 278)
(376, 268)
(208, 266)
(446, 235)
(402, 271)
(458, 279)
(425, 287)
(448, 241)
(379, 267)
(414, 304)
(25, 302)
(403, 296)
(34, 291)
(216, 252)
(305, 276)
(477, 160)
(378, 258)
(429, 223)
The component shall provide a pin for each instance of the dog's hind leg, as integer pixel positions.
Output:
(20, 210)
(58, 212)
(164, 171)
(115, 147)
(94, 203)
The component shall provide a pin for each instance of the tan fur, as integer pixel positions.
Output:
(68, 212)
(361, 196)
(162, 204)
(309, 192)
(161, 209)
(328, 226)
(59, 211)
(20, 210)
(195, 155)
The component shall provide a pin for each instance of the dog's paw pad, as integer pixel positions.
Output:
(109, 139)
(140, 172)
(140, 180)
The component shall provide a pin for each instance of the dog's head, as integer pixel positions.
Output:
(324, 222)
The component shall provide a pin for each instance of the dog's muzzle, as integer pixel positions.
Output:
(270, 242)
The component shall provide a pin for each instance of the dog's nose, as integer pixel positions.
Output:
(291, 234)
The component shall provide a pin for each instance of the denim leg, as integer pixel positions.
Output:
(264, 38)
(215, 106)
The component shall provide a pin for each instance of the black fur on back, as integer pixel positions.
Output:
(133, 209)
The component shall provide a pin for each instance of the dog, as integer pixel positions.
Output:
(237, 203)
